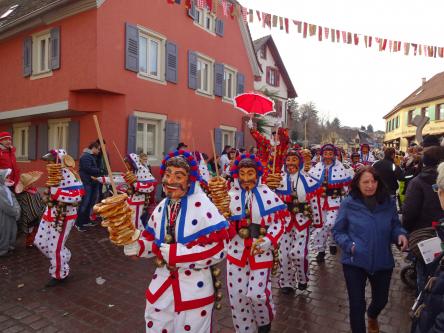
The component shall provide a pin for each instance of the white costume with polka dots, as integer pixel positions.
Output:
(301, 193)
(52, 235)
(144, 185)
(367, 159)
(248, 276)
(334, 180)
(181, 300)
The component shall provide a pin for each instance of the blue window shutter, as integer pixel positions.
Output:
(55, 48)
(218, 140)
(192, 11)
(219, 27)
(192, 70)
(239, 139)
(32, 140)
(42, 141)
(240, 83)
(131, 48)
(171, 62)
(219, 79)
(172, 136)
(74, 139)
(27, 56)
(132, 134)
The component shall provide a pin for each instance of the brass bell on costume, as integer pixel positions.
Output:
(218, 306)
(217, 284)
(216, 272)
(168, 239)
(262, 231)
(219, 295)
(159, 262)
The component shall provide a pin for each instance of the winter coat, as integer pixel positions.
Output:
(421, 205)
(371, 231)
(8, 161)
(88, 167)
(390, 173)
(431, 314)
(9, 214)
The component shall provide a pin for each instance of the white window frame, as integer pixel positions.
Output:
(151, 35)
(204, 14)
(37, 71)
(273, 77)
(201, 58)
(54, 125)
(159, 121)
(21, 147)
(232, 71)
(228, 135)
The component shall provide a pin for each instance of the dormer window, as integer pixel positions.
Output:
(263, 52)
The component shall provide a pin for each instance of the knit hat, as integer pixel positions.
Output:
(5, 135)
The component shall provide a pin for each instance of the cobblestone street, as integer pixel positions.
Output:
(117, 305)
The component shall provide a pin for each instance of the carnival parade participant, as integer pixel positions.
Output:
(335, 179)
(141, 183)
(301, 193)
(7, 157)
(355, 161)
(366, 156)
(187, 235)
(9, 214)
(31, 203)
(256, 222)
(65, 191)
(202, 159)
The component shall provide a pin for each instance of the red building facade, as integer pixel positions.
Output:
(154, 73)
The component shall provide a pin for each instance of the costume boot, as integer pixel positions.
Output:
(373, 326)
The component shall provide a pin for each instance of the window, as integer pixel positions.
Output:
(272, 77)
(229, 83)
(228, 136)
(150, 136)
(205, 19)
(151, 54)
(58, 131)
(410, 117)
(41, 53)
(20, 140)
(423, 111)
(439, 112)
(205, 75)
(263, 52)
(397, 121)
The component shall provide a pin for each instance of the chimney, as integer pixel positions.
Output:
(424, 80)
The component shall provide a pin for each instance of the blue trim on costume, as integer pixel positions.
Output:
(289, 190)
(160, 240)
(203, 232)
(262, 210)
(307, 188)
(72, 188)
(147, 181)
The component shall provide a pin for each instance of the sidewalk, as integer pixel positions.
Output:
(82, 305)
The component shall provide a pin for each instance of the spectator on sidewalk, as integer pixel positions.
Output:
(88, 168)
(9, 214)
(389, 172)
(7, 156)
(421, 205)
(366, 226)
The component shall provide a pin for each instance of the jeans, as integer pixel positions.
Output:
(355, 279)
(87, 204)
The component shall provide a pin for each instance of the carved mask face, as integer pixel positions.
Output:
(292, 163)
(364, 150)
(247, 178)
(328, 156)
(175, 182)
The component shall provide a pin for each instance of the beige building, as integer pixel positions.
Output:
(428, 100)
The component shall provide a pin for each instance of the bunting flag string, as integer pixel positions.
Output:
(230, 8)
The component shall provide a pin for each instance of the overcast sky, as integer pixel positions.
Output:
(357, 85)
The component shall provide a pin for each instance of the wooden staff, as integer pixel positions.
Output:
(275, 150)
(105, 156)
(214, 152)
(121, 157)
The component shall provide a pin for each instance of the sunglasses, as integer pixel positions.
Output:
(435, 188)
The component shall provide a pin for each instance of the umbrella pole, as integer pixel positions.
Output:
(214, 152)
(105, 155)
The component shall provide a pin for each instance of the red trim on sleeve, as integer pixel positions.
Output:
(193, 257)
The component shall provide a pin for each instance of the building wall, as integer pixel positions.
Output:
(405, 131)
(280, 91)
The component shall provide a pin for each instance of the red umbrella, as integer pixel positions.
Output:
(254, 103)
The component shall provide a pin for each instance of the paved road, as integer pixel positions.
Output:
(82, 305)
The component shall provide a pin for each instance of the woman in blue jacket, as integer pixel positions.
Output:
(366, 226)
